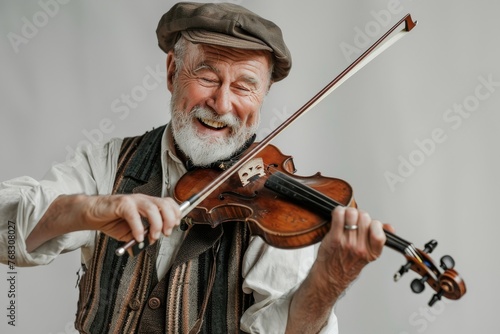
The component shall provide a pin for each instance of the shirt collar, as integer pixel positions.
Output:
(171, 164)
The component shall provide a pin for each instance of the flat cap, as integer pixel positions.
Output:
(224, 24)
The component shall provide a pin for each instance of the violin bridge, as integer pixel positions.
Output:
(250, 170)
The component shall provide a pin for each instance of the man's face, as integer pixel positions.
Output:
(216, 98)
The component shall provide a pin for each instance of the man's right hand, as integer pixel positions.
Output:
(118, 216)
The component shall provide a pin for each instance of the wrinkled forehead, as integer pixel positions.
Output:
(258, 61)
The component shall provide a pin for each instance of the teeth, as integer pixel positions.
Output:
(213, 124)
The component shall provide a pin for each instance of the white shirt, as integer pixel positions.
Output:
(271, 274)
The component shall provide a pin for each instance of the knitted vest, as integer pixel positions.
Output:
(201, 292)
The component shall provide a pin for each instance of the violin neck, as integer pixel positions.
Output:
(397, 243)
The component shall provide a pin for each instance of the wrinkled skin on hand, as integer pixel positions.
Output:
(344, 253)
(119, 216)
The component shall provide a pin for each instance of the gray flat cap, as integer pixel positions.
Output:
(224, 24)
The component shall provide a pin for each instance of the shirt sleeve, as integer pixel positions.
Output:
(24, 200)
(273, 275)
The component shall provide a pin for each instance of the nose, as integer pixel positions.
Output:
(220, 100)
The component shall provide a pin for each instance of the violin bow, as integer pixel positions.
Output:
(373, 51)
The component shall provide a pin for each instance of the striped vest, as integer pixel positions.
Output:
(201, 293)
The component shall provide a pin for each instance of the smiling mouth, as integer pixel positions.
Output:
(212, 124)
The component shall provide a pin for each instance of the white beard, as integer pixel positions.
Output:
(203, 150)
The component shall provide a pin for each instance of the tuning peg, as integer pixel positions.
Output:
(447, 262)
(404, 269)
(430, 246)
(418, 285)
(436, 297)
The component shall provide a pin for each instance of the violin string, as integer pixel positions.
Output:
(407, 247)
(317, 197)
(329, 204)
(400, 243)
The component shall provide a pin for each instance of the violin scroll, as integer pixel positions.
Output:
(445, 281)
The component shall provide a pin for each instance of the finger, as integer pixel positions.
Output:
(171, 215)
(151, 212)
(389, 228)
(338, 222)
(133, 219)
(351, 216)
(377, 238)
(120, 231)
(352, 220)
(364, 221)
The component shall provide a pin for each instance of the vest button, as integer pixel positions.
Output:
(134, 304)
(154, 303)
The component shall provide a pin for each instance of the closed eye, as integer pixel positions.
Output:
(243, 89)
(207, 81)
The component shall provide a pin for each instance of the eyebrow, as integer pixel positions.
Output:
(204, 66)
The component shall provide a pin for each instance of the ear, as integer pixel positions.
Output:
(171, 67)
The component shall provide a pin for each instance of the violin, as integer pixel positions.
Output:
(290, 211)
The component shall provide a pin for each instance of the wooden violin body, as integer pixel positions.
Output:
(275, 218)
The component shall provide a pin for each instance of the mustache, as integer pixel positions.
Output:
(210, 114)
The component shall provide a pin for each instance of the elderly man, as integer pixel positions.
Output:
(221, 61)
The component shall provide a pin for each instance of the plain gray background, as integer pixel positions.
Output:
(414, 132)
